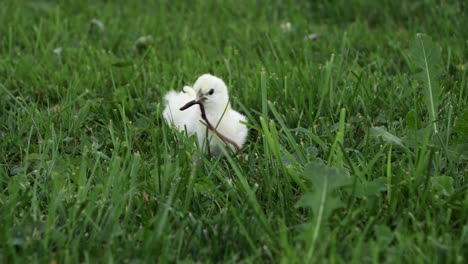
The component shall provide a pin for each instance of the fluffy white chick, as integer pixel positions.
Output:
(212, 92)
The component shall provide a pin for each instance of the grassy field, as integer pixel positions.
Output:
(357, 149)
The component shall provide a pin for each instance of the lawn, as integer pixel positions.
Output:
(357, 147)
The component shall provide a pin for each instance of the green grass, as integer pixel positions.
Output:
(341, 164)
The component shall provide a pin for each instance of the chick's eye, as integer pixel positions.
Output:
(211, 92)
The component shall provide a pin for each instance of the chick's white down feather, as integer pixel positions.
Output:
(213, 94)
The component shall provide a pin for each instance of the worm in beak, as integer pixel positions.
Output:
(207, 122)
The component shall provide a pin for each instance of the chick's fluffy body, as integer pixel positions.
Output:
(214, 94)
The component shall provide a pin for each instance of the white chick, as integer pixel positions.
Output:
(212, 92)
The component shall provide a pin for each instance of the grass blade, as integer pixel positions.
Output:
(426, 58)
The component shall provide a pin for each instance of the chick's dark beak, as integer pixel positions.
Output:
(189, 104)
(193, 102)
